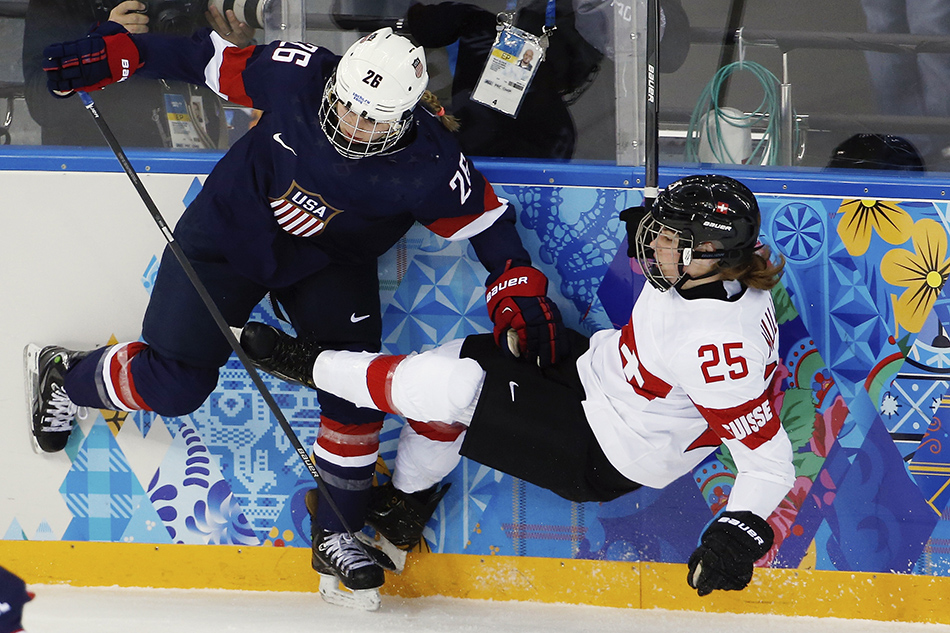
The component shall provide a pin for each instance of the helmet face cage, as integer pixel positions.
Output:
(381, 135)
(666, 270)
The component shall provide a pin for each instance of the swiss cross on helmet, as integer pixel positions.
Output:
(696, 210)
(368, 102)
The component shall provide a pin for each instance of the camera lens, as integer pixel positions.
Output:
(251, 12)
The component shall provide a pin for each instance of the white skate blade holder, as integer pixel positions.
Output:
(384, 545)
(332, 592)
(31, 361)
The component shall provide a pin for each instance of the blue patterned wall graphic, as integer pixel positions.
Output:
(100, 489)
(864, 324)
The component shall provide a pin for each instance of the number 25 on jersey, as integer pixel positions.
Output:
(722, 361)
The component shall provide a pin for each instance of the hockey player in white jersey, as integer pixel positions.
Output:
(639, 406)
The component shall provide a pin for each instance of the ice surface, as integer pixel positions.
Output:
(59, 608)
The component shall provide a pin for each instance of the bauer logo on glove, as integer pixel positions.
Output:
(526, 322)
(105, 56)
(508, 284)
(727, 553)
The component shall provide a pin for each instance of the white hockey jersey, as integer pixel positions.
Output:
(683, 375)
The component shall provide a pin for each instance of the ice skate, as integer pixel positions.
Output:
(350, 573)
(400, 517)
(280, 354)
(340, 560)
(52, 413)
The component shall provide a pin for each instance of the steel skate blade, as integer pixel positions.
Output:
(694, 580)
(395, 558)
(31, 373)
(333, 592)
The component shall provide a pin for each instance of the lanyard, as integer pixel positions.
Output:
(511, 8)
(507, 18)
(512, 63)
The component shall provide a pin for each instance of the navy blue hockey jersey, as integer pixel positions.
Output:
(282, 203)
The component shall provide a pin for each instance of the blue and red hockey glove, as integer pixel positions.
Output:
(727, 552)
(527, 323)
(106, 55)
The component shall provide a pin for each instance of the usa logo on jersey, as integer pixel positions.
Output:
(302, 213)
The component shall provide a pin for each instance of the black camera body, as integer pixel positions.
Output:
(178, 17)
(183, 17)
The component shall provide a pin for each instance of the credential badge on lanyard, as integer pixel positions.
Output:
(512, 64)
(186, 122)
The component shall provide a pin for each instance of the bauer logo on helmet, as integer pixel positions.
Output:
(717, 226)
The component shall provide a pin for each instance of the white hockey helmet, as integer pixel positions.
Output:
(381, 79)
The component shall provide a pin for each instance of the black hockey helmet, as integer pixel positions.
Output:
(876, 151)
(699, 209)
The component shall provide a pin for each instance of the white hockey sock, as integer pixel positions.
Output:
(433, 385)
(344, 374)
(437, 385)
(427, 453)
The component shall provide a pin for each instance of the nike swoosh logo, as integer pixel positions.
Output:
(357, 319)
(511, 385)
(283, 144)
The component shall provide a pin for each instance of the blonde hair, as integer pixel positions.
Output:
(432, 104)
(759, 272)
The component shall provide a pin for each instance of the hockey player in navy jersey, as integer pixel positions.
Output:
(341, 164)
(643, 405)
(13, 596)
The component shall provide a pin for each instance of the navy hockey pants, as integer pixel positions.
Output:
(338, 306)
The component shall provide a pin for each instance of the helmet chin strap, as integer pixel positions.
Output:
(687, 277)
(688, 256)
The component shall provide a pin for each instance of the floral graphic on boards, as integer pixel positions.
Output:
(922, 272)
(864, 217)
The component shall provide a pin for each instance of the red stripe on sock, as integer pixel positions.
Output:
(348, 440)
(379, 379)
(437, 431)
(121, 376)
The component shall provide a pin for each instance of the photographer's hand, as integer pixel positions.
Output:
(230, 27)
(130, 15)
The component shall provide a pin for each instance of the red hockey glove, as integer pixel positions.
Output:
(105, 56)
(527, 323)
(728, 551)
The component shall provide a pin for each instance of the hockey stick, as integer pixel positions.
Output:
(651, 122)
(222, 323)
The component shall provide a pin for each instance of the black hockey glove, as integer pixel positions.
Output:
(632, 218)
(527, 323)
(105, 56)
(728, 551)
